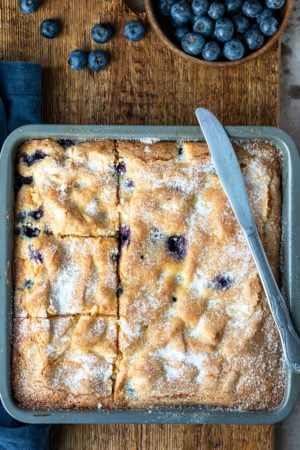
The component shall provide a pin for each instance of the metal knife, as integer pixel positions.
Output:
(231, 178)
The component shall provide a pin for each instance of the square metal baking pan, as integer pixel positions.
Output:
(290, 277)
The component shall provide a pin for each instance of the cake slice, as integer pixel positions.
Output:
(57, 276)
(65, 362)
(67, 190)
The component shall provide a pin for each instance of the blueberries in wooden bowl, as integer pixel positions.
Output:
(219, 32)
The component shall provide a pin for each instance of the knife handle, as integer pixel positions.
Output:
(288, 335)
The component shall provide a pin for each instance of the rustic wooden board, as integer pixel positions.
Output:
(144, 84)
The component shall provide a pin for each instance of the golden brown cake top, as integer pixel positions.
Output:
(68, 191)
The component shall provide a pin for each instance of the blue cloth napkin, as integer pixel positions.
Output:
(20, 95)
(20, 104)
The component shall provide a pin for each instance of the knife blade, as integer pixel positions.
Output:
(227, 167)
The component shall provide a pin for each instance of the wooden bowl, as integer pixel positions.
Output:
(164, 32)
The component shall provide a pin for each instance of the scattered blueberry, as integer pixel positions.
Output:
(30, 232)
(102, 32)
(78, 59)
(20, 180)
(254, 39)
(129, 183)
(267, 12)
(20, 217)
(29, 6)
(252, 8)
(35, 255)
(176, 247)
(65, 143)
(98, 60)
(50, 28)
(234, 50)
(233, 6)
(164, 6)
(200, 7)
(174, 299)
(222, 282)
(134, 31)
(269, 26)
(28, 284)
(211, 51)
(204, 25)
(242, 23)
(125, 236)
(192, 43)
(33, 158)
(224, 30)
(180, 32)
(38, 214)
(216, 10)
(181, 13)
(121, 168)
(275, 4)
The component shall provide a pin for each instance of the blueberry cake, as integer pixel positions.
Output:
(67, 189)
(154, 300)
(65, 275)
(64, 362)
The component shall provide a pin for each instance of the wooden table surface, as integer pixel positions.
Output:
(144, 84)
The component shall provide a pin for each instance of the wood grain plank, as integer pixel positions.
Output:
(162, 437)
(144, 84)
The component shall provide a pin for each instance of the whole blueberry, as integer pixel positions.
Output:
(200, 7)
(275, 4)
(29, 6)
(30, 232)
(20, 181)
(38, 214)
(78, 59)
(102, 32)
(176, 247)
(192, 43)
(269, 26)
(242, 23)
(216, 10)
(233, 6)
(252, 8)
(33, 158)
(254, 39)
(204, 25)
(181, 13)
(222, 282)
(134, 30)
(66, 143)
(121, 168)
(164, 6)
(180, 32)
(124, 236)
(234, 50)
(224, 30)
(50, 28)
(211, 51)
(98, 60)
(267, 12)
